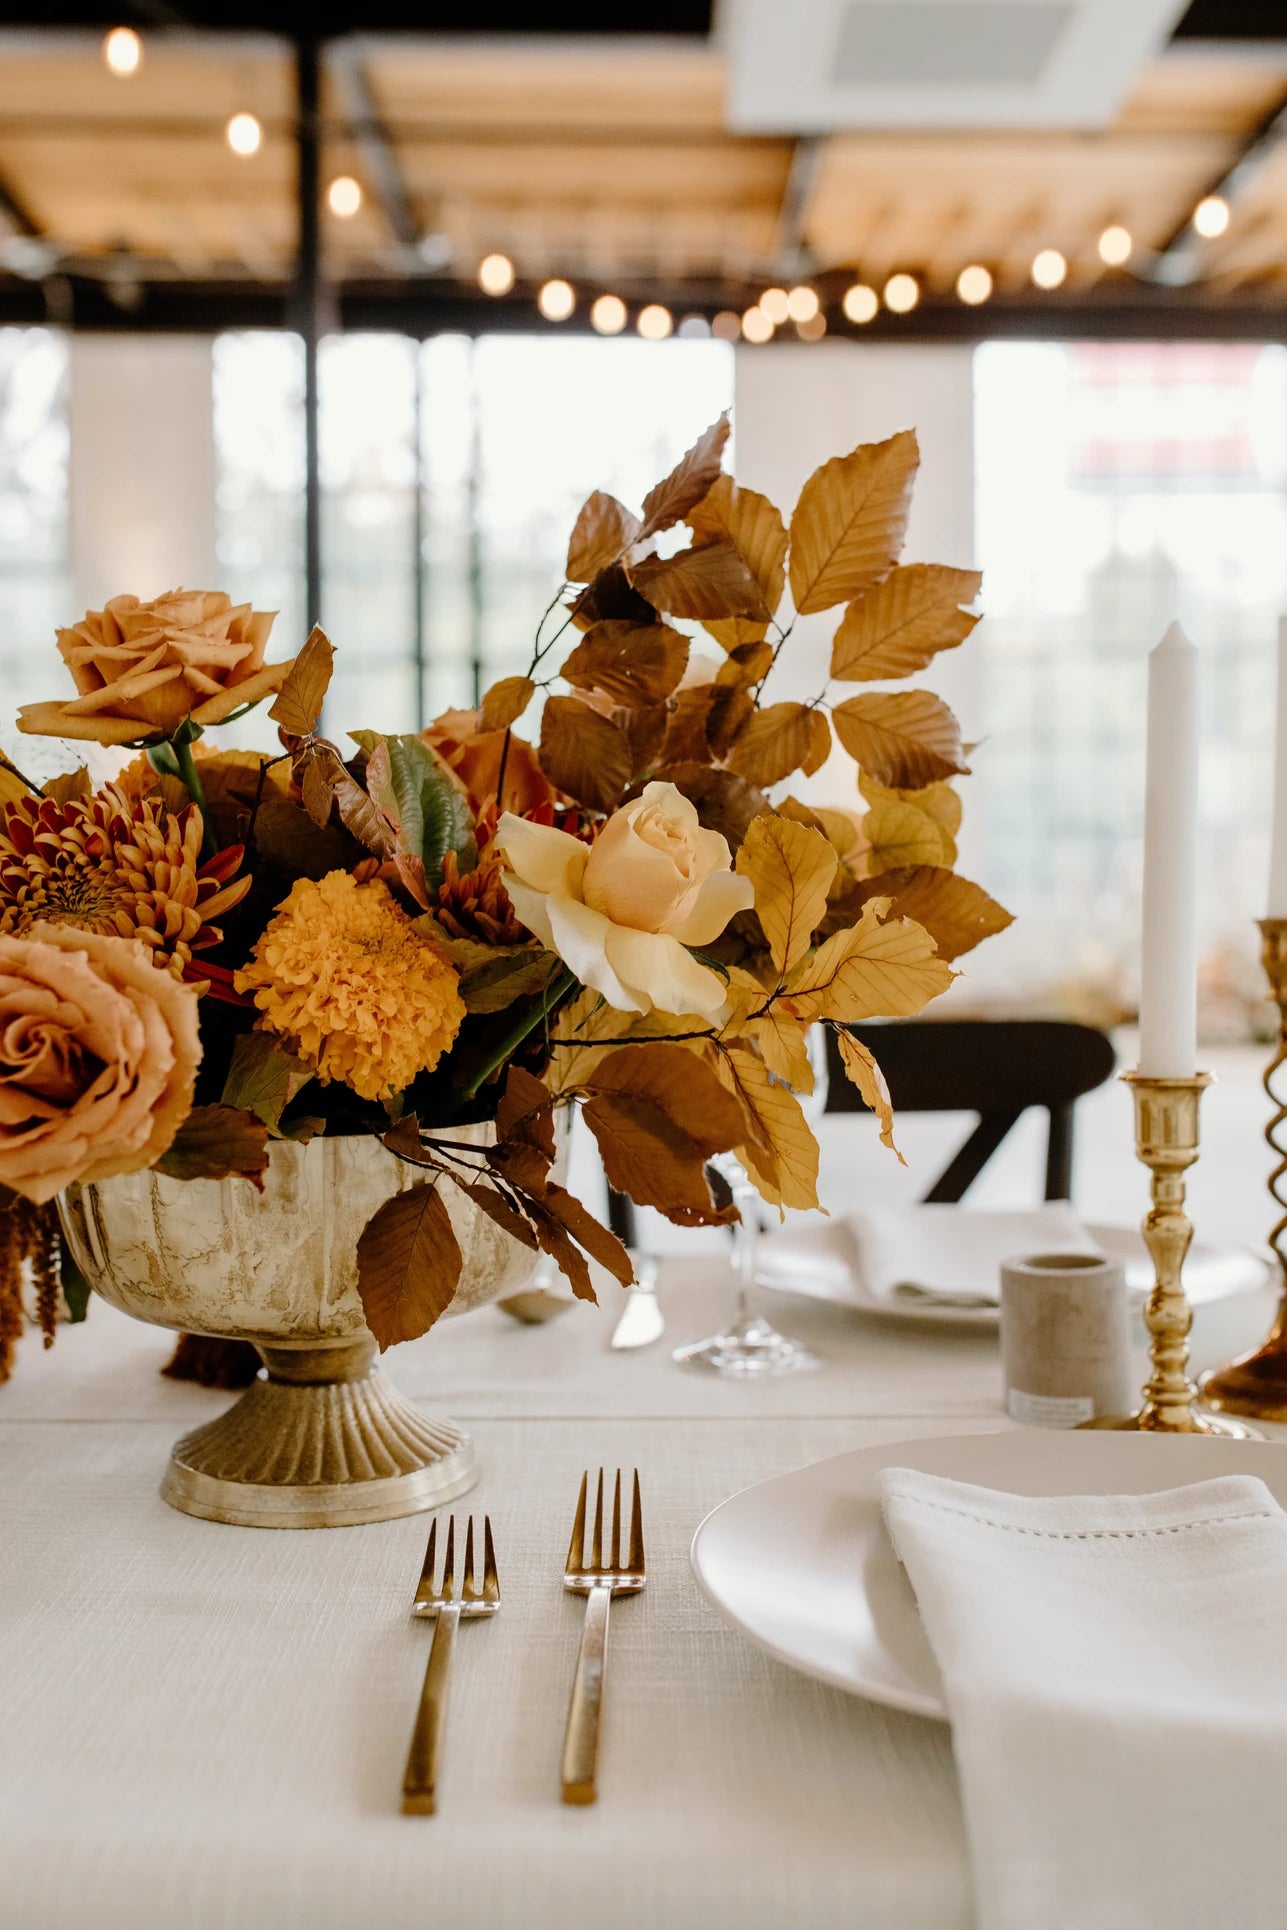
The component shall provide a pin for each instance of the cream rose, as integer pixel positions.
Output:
(98, 1056)
(141, 669)
(621, 912)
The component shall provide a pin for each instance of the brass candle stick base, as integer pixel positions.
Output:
(1166, 1141)
(1256, 1383)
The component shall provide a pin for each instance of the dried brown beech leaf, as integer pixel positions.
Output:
(629, 662)
(584, 754)
(297, 706)
(780, 1153)
(850, 521)
(505, 703)
(755, 529)
(611, 597)
(327, 786)
(723, 801)
(901, 834)
(604, 531)
(601, 1244)
(404, 1139)
(498, 1209)
(957, 915)
(729, 711)
(218, 1142)
(690, 479)
(837, 827)
(686, 741)
(940, 801)
(819, 744)
(896, 628)
(863, 1072)
(408, 1265)
(870, 970)
(658, 1113)
(708, 580)
(790, 867)
(747, 663)
(525, 1113)
(903, 738)
(772, 743)
(646, 726)
(779, 1036)
(583, 1031)
(63, 789)
(264, 1077)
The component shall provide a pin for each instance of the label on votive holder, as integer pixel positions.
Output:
(1048, 1410)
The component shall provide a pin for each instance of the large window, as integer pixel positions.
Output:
(471, 458)
(34, 549)
(1120, 486)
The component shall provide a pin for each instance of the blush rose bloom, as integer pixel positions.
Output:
(620, 912)
(141, 669)
(98, 1056)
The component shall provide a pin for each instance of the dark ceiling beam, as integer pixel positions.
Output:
(1178, 262)
(348, 69)
(14, 211)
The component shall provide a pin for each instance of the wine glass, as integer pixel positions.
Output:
(750, 1347)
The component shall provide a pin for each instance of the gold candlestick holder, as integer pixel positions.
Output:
(1256, 1383)
(1166, 1141)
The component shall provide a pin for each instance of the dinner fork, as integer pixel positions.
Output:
(419, 1784)
(598, 1582)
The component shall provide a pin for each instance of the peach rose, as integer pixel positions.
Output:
(622, 912)
(141, 669)
(98, 1057)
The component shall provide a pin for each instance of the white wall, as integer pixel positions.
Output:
(799, 403)
(142, 466)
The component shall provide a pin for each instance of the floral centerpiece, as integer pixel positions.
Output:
(434, 941)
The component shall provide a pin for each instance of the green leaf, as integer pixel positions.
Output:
(423, 801)
(263, 1078)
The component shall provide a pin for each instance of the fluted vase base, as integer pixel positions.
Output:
(320, 1441)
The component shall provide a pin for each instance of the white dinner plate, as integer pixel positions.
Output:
(818, 1262)
(803, 1564)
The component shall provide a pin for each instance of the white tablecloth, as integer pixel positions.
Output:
(203, 1728)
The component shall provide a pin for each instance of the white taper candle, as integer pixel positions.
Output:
(1169, 974)
(1277, 905)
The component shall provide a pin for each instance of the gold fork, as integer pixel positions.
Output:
(448, 1609)
(598, 1582)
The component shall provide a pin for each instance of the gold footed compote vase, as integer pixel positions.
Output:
(1256, 1383)
(322, 1439)
(1166, 1141)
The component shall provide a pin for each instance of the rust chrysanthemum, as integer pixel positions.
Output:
(117, 865)
(474, 904)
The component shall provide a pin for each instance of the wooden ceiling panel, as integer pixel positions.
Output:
(608, 89)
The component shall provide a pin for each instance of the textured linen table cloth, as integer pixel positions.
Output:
(204, 1728)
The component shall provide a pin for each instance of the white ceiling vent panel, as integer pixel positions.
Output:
(811, 66)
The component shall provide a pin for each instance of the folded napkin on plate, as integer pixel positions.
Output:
(949, 1255)
(1113, 1668)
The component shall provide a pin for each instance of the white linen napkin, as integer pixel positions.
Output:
(951, 1255)
(1114, 1672)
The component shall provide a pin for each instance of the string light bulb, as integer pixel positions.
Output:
(556, 300)
(812, 328)
(756, 326)
(726, 326)
(608, 315)
(123, 52)
(694, 328)
(344, 197)
(1115, 246)
(802, 304)
(776, 304)
(902, 292)
(495, 274)
(654, 322)
(974, 284)
(244, 135)
(1049, 268)
(1211, 216)
(860, 303)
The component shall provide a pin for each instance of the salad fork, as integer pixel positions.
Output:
(598, 1582)
(419, 1784)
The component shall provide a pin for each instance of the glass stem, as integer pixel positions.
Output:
(748, 1233)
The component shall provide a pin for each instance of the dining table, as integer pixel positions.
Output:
(203, 1727)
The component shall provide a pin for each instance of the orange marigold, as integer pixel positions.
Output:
(344, 977)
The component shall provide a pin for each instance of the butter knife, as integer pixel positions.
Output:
(641, 1319)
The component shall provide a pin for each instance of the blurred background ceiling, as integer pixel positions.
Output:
(658, 159)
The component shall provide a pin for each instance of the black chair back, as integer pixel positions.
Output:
(996, 1068)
